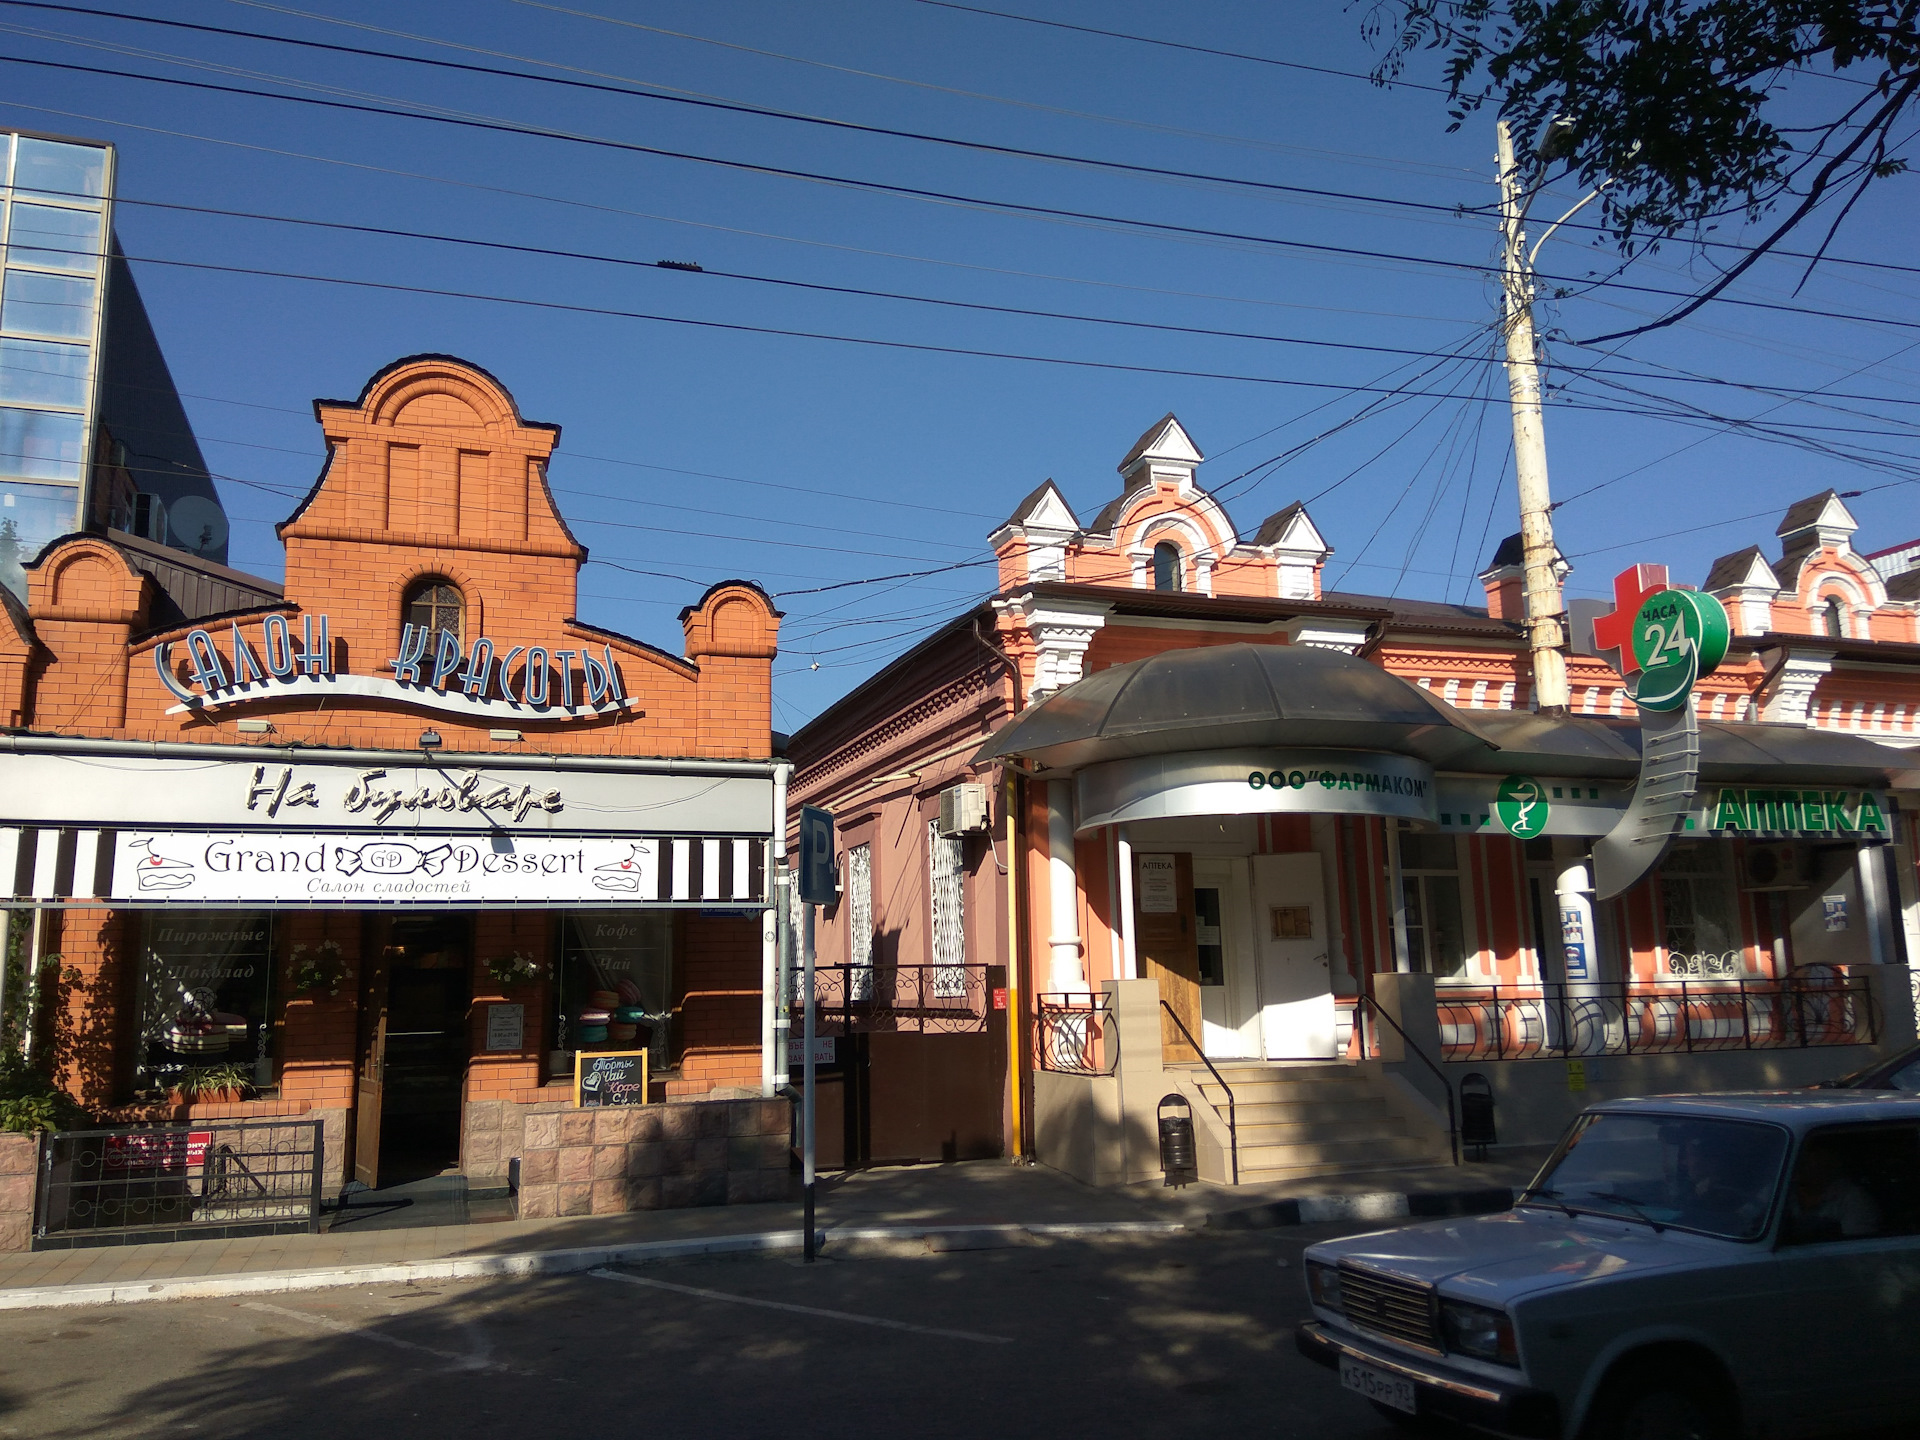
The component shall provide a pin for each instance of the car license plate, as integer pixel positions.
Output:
(1377, 1385)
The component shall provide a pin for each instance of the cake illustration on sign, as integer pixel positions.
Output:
(159, 872)
(624, 875)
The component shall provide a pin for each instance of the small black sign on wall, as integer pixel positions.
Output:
(610, 1077)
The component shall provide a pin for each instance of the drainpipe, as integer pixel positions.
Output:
(1066, 969)
(773, 1013)
(1016, 1000)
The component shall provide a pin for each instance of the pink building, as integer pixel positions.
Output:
(1206, 828)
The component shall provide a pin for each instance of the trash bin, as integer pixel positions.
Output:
(1476, 1114)
(1179, 1155)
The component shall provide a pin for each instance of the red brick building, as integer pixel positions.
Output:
(396, 840)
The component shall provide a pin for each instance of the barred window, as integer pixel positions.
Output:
(860, 922)
(1700, 933)
(949, 913)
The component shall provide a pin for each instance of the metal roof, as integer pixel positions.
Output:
(1218, 697)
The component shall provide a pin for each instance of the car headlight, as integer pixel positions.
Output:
(1323, 1286)
(1479, 1331)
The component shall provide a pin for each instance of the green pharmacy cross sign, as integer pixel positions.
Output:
(1677, 636)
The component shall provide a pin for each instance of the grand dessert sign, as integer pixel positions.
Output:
(431, 671)
(238, 867)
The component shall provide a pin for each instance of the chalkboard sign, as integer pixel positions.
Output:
(610, 1077)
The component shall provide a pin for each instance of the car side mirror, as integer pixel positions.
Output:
(1809, 1230)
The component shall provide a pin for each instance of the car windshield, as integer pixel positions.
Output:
(1717, 1177)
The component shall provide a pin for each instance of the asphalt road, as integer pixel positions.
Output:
(1166, 1337)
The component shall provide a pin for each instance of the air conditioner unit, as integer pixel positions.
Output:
(963, 809)
(1781, 865)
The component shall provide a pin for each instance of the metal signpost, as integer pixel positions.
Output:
(817, 888)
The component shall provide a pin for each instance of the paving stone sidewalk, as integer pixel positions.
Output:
(977, 1195)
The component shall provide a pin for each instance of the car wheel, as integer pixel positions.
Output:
(1657, 1407)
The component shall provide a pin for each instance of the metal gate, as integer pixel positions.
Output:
(210, 1180)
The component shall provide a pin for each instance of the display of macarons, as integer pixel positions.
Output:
(617, 1014)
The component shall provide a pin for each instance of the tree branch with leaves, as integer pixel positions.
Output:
(1679, 106)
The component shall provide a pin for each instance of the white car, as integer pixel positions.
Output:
(1696, 1267)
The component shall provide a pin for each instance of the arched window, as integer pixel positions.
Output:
(1167, 566)
(433, 601)
(1833, 617)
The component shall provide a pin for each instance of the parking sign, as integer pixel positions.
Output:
(817, 885)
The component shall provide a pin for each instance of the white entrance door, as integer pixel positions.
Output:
(1229, 991)
(1296, 983)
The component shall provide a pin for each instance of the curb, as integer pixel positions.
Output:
(536, 1263)
(1380, 1205)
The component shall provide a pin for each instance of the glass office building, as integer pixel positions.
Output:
(56, 211)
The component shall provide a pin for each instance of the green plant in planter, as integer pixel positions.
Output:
(215, 1083)
(515, 969)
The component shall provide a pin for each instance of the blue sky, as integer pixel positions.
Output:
(691, 453)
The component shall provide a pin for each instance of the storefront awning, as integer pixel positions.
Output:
(146, 869)
(1236, 697)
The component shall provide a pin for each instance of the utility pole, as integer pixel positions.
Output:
(1545, 634)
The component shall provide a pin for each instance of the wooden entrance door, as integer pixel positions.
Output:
(370, 1084)
(1168, 946)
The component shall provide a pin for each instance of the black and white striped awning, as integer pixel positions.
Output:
(50, 866)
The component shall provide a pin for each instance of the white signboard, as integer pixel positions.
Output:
(1159, 885)
(125, 791)
(238, 866)
(506, 1027)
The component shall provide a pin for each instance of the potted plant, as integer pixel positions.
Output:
(319, 971)
(214, 1084)
(515, 968)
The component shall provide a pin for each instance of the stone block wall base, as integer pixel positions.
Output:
(19, 1168)
(654, 1157)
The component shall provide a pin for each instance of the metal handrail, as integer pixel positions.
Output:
(1453, 1123)
(1233, 1127)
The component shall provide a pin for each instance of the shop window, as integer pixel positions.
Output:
(1833, 618)
(860, 922)
(947, 877)
(1430, 887)
(1697, 913)
(434, 603)
(1167, 566)
(616, 989)
(205, 987)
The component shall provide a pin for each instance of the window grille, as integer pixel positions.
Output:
(435, 604)
(860, 922)
(949, 913)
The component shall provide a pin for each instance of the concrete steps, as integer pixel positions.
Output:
(1299, 1121)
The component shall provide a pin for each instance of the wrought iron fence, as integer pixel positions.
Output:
(1494, 1022)
(1075, 1034)
(212, 1179)
(903, 999)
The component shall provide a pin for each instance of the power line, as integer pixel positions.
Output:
(665, 95)
(1182, 45)
(1451, 172)
(1212, 332)
(1055, 213)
